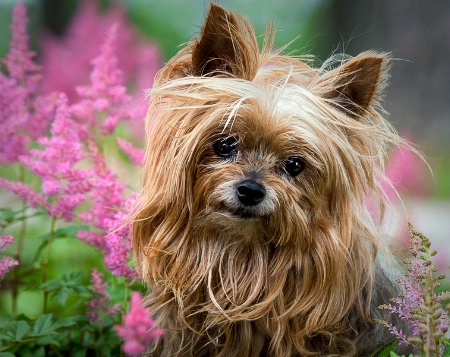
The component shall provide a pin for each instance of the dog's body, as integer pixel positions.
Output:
(253, 233)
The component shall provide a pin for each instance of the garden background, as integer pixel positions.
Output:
(67, 35)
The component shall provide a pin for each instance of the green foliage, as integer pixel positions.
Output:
(385, 350)
(57, 330)
(51, 335)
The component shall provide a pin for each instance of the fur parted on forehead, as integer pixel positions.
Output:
(287, 105)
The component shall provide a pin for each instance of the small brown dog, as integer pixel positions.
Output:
(253, 233)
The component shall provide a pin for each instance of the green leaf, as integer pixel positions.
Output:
(61, 288)
(15, 331)
(7, 216)
(43, 325)
(48, 340)
(79, 351)
(385, 350)
(70, 321)
(61, 296)
(6, 354)
(21, 330)
(69, 231)
(50, 285)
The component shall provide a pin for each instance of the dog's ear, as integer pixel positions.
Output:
(357, 84)
(226, 46)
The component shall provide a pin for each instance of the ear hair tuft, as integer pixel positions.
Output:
(358, 82)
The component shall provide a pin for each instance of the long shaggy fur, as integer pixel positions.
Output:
(301, 273)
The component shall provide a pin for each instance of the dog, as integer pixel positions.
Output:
(253, 232)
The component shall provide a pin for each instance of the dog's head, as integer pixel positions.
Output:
(239, 138)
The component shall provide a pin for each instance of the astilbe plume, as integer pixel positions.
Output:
(138, 328)
(136, 155)
(100, 304)
(92, 22)
(76, 181)
(418, 303)
(54, 163)
(119, 242)
(63, 144)
(24, 114)
(6, 262)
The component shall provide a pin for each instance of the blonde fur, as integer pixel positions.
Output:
(298, 276)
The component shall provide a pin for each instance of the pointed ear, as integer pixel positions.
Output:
(226, 46)
(356, 85)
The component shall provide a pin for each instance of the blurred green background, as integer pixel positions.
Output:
(416, 33)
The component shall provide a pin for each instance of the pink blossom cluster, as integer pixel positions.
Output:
(407, 173)
(100, 303)
(6, 263)
(75, 179)
(119, 243)
(139, 60)
(138, 329)
(24, 113)
(418, 303)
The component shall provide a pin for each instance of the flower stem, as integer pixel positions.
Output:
(44, 264)
(18, 256)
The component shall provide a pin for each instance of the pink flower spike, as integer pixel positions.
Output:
(19, 60)
(5, 241)
(6, 263)
(26, 194)
(99, 303)
(138, 329)
(136, 155)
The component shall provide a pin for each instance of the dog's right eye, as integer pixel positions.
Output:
(226, 147)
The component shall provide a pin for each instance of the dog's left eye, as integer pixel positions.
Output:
(294, 166)
(225, 147)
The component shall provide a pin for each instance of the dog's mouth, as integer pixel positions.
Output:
(237, 213)
(243, 213)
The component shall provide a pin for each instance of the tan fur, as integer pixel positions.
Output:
(300, 276)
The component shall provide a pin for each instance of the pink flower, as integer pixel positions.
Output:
(67, 155)
(55, 163)
(26, 194)
(138, 329)
(419, 304)
(136, 155)
(24, 116)
(89, 27)
(407, 172)
(99, 304)
(106, 193)
(5, 241)
(6, 263)
(19, 60)
(119, 242)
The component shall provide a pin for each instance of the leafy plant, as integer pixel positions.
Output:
(419, 303)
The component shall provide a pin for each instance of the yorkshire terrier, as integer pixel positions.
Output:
(253, 231)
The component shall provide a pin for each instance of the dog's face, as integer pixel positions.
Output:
(265, 171)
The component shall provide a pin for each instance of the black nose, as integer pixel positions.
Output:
(250, 192)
